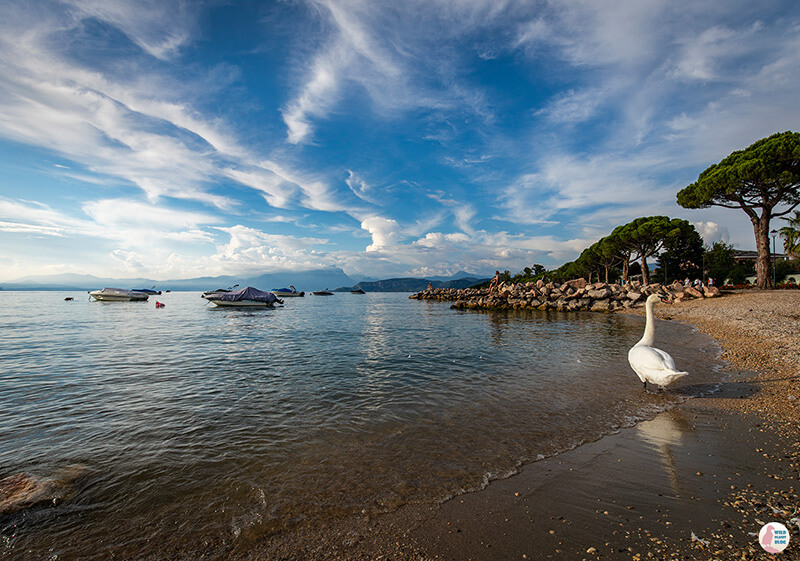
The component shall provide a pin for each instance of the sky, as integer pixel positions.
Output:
(176, 139)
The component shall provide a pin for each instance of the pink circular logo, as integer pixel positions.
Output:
(773, 537)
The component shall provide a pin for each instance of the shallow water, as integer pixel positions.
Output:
(196, 425)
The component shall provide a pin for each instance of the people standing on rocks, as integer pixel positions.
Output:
(710, 281)
(687, 282)
(495, 282)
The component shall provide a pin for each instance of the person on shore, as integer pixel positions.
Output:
(710, 281)
(687, 282)
(430, 286)
(495, 282)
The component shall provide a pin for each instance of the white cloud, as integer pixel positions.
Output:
(711, 232)
(385, 232)
(118, 214)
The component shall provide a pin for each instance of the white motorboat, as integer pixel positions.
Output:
(248, 296)
(118, 295)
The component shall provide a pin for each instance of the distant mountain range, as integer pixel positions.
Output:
(302, 280)
(414, 284)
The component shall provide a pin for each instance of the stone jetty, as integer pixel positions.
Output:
(573, 295)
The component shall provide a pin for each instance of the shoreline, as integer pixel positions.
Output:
(695, 482)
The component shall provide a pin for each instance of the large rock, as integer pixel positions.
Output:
(22, 490)
(711, 291)
(599, 293)
(575, 283)
(691, 291)
(601, 306)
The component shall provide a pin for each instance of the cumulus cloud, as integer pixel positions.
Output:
(385, 232)
(711, 232)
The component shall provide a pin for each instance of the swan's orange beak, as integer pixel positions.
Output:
(666, 300)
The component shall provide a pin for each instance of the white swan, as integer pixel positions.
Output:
(652, 364)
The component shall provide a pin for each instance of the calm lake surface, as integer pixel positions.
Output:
(190, 425)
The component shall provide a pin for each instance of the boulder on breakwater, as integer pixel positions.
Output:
(573, 295)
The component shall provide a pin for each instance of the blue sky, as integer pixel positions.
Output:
(179, 139)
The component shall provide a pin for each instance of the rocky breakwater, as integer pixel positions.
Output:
(574, 295)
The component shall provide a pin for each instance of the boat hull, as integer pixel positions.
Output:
(118, 295)
(242, 304)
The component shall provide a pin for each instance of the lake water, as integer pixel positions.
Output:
(192, 428)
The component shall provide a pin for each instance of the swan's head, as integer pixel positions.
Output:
(657, 297)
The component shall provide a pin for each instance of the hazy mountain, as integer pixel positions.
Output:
(302, 280)
(414, 284)
(458, 276)
(306, 281)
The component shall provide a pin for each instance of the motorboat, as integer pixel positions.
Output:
(287, 292)
(248, 296)
(323, 293)
(207, 292)
(357, 291)
(118, 295)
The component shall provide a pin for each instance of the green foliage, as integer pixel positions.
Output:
(757, 180)
(783, 268)
(767, 172)
(644, 237)
(791, 235)
(719, 260)
(682, 255)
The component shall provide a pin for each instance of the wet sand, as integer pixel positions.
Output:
(697, 482)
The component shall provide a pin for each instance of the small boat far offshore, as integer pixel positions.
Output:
(322, 293)
(357, 291)
(118, 295)
(148, 291)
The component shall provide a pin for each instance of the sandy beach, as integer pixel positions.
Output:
(696, 482)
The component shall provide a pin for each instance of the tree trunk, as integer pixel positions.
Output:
(645, 271)
(625, 273)
(764, 261)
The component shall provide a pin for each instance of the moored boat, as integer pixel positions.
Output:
(323, 293)
(357, 291)
(118, 295)
(287, 292)
(207, 292)
(248, 296)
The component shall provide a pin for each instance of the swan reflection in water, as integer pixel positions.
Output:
(665, 433)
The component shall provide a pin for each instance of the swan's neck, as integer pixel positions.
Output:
(649, 336)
